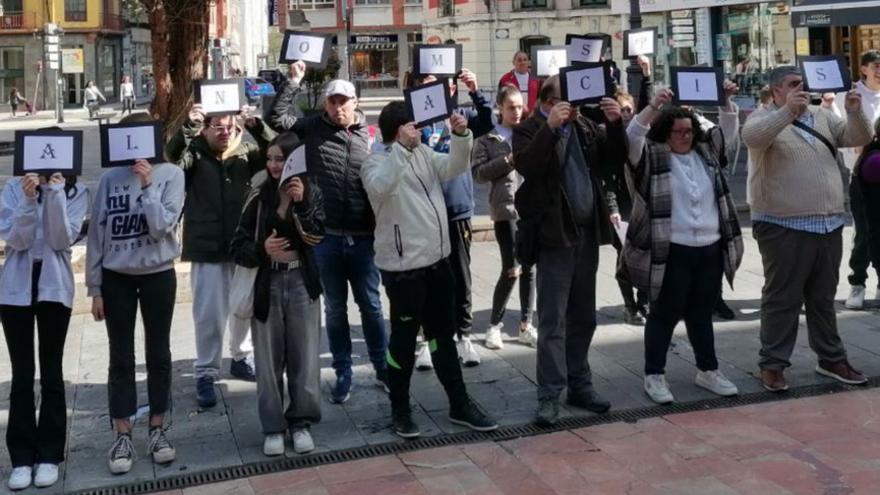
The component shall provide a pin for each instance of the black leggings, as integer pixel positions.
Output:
(156, 293)
(505, 235)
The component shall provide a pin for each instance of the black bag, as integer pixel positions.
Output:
(526, 247)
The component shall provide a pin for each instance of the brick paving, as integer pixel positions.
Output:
(821, 445)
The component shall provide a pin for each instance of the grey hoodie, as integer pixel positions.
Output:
(133, 230)
(40, 231)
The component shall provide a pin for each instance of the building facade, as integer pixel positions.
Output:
(95, 28)
(836, 26)
(373, 38)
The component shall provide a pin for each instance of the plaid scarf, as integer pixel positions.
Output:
(646, 250)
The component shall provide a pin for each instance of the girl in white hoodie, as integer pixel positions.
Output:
(40, 218)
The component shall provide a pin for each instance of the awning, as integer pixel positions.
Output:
(365, 47)
(823, 13)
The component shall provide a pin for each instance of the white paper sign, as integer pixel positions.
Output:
(305, 48)
(549, 62)
(48, 152)
(131, 143)
(585, 84)
(440, 60)
(823, 75)
(220, 98)
(698, 86)
(294, 165)
(584, 50)
(429, 103)
(640, 43)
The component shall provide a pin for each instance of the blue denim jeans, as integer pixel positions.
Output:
(344, 260)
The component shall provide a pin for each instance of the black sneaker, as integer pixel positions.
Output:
(121, 454)
(404, 426)
(591, 401)
(382, 380)
(159, 447)
(469, 414)
(548, 411)
(205, 395)
(631, 316)
(723, 311)
(242, 369)
(342, 390)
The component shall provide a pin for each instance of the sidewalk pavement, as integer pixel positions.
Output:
(820, 445)
(504, 384)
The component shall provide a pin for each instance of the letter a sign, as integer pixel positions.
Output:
(47, 152)
(122, 144)
(429, 103)
(437, 60)
(311, 48)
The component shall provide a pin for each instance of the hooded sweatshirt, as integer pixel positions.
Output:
(40, 230)
(133, 229)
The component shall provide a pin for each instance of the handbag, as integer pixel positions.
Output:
(241, 296)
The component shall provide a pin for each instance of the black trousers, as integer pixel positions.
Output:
(127, 104)
(690, 290)
(156, 293)
(29, 442)
(505, 235)
(859, 258)
(631, 302)
(460, 260)
(422, 299)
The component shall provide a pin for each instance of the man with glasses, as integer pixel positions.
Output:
(218, 166)
(797, 205)
(564, 218)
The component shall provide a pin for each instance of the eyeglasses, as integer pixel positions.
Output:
(682, 132)
(222, 128)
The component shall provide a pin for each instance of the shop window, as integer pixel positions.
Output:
(75, 10)
(12, 70)
(760, 38)
(10, 6)
(533, 4)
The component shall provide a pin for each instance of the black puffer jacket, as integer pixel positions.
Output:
(334, 156)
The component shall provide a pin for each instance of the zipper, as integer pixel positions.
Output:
(436, 213)
(345, 176)
(398, 241)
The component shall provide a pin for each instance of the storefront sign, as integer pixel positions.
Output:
(373, 38)
(72, 61)
(803, 46)
(818, 13)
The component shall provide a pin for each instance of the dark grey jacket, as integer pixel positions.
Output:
(489, 165)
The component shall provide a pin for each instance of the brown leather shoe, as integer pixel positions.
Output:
(841, 371)
(774, 380)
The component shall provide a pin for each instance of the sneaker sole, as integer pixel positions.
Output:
(164, 458)
(492, 347)
(775, 390)
(16, 488)
(424, 368)
(830, 374)
(470, 364)
(407, 435)
(303, 451)
(854, 307)
(656, 401)
(726, 394)
(343, 400)
(471, 426)
(45, 484)
(120, 470)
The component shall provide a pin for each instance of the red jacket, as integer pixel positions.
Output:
(534, 87)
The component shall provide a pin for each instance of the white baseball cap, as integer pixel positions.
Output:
(340, 87)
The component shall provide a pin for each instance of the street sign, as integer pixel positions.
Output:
(52, 39)
(53, 65)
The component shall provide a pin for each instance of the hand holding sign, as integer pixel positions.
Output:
(560, 114)
(408, 136)
(428, 103)
(611, 108)
(29, 185)
(197, 114)
(469, 79)
(144, 171)
(458, 123)
(797, 100)
(297, 71)
(296, 189)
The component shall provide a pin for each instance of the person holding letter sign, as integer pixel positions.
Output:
(337, 144)
(413, 250)
(683, 235)
(130, 259)
(458, 192)
(563, 219)
(798, 214)
(282, 221)
(218, 166)
(40, 218)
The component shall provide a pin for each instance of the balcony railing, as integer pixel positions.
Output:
(76, 16)
(113, 22)
(18, 20)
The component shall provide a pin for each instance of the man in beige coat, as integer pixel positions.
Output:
(797, 205)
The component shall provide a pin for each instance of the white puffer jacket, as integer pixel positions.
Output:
(412, 230)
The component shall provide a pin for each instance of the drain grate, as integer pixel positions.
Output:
(502, 434)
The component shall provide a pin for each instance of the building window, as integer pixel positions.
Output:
(310, 4)
(372, 2)
(11, 70)
(593, 3)
(446, 8)
(75, 10)
(527, 42)
(413, 2)
(533, 4)
(11, 6)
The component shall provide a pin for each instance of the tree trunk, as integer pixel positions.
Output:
(179, 34)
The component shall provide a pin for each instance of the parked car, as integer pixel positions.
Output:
(256, 89)
(273, 76)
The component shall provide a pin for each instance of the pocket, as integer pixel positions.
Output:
(398, 240)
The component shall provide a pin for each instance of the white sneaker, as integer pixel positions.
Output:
(46, 475)
(493, 337)
(467, 352)
(273, 444)
(302, 441)
(715, 382)
(423, 358)
(20, 478)
(528, 336)
(657, 389)
(856, 299)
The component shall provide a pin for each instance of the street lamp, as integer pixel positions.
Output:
(633, 71)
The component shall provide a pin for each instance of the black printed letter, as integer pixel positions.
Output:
(48, 152)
